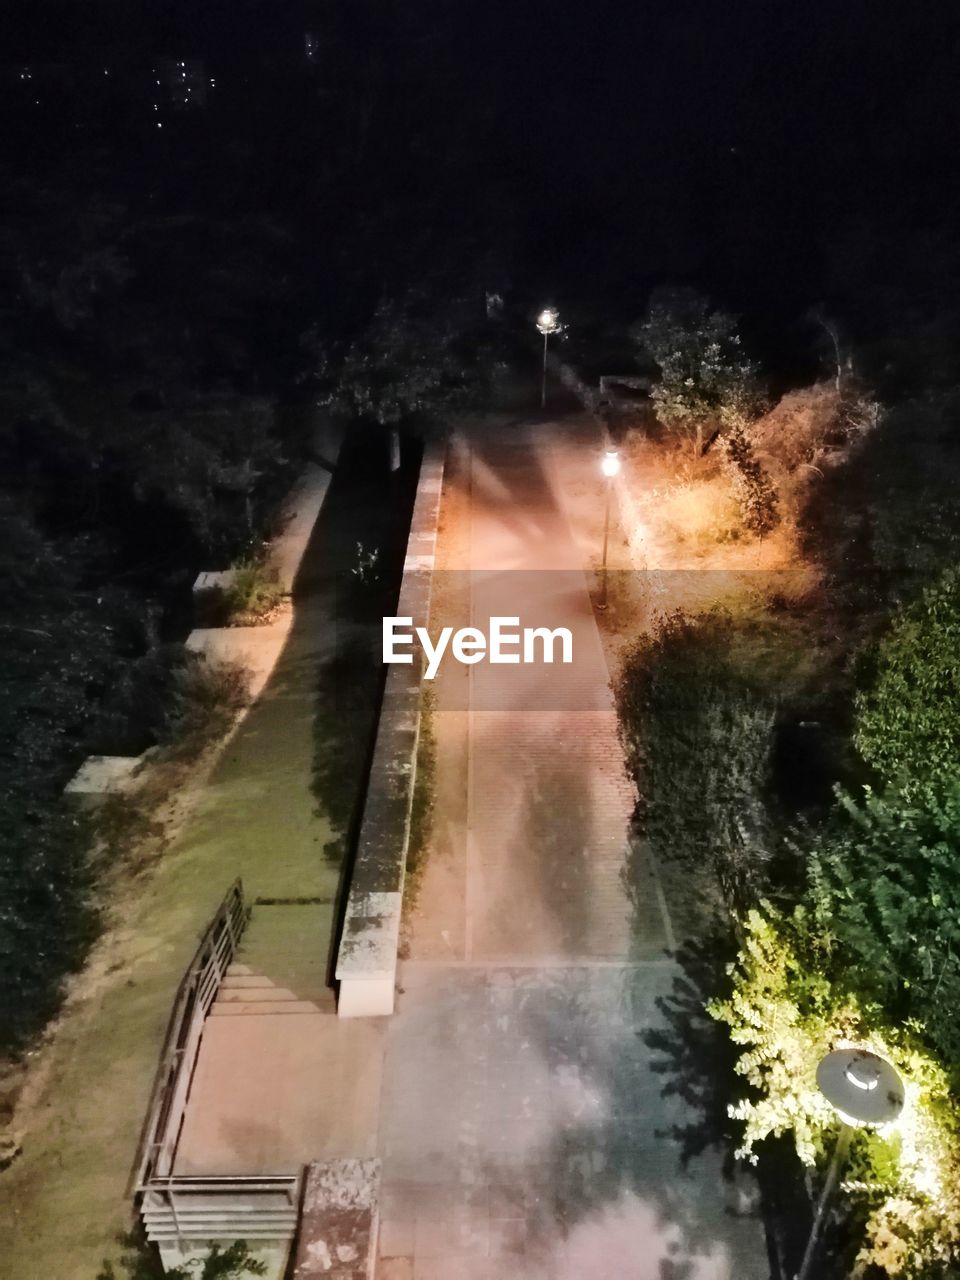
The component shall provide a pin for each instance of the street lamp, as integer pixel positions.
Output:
(548, 321)
(610, 466)
(864, 1090)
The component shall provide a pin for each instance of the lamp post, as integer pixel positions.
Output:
(864, 1090)
(548, 321)
(610, 466)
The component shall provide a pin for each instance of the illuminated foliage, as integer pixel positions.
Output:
(704, 373)
(786, 1008)
(752, 487)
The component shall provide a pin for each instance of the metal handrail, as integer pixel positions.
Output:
(193, 1000)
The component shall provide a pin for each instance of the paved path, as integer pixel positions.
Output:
(520, 1114)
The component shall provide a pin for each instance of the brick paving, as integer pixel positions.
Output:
(521, 1114)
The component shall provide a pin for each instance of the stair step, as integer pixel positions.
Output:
(255, 995)
(244, 981)
(236, 970)
(233, 1008)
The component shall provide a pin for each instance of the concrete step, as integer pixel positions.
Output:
(234, 1008)
(261, 995)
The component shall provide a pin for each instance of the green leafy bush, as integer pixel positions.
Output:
(697, 724)
(790, 1001)
(704, 373)
(908, 721)
(886, 891)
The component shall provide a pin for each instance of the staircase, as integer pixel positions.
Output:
(244, 992)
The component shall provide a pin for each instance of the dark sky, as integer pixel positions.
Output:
(742, 145)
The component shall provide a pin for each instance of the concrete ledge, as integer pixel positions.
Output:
(339, 1221)
(367, 959)
(214, 581)
(101, 776)
(256, 649)
(302, 507)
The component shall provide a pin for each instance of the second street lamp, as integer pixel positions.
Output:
(610, 466)
(864, 1090)
(548, 321)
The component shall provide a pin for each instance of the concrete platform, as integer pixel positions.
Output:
(274, 1091)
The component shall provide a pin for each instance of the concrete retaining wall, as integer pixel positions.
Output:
(257, 648)
(367, 959)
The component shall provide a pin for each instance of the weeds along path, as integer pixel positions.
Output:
(269, 805)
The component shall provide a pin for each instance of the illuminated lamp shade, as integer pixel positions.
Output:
(610, 464)
(548, 321)
(864, 1088)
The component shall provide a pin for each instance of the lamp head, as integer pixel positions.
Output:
(610, 463)
(863, 1088)
(548, 321)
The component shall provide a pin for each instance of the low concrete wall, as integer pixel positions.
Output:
(367, 959)
(257, 648)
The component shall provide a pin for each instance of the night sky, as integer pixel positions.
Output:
(759, 150)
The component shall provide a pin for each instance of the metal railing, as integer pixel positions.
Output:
(196, 993)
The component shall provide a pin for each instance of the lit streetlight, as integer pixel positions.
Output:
(864, 1090)
(610, 466)
(548, 321)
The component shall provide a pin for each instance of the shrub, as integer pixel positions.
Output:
(697, 730)
(908, 721)
(788, 1004)
(754, 491)
(254, 591)
(204, 700)
(47, 918)
(886, 889)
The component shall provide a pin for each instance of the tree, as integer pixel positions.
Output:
(404, 365)
(908, 720)
(706, 380)
(885, 890)
(753, 488)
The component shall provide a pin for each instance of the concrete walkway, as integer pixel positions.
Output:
(520, 1116)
